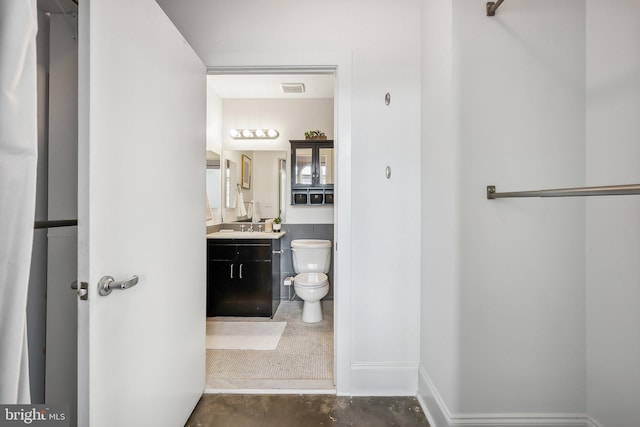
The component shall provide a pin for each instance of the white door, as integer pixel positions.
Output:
(141, 211)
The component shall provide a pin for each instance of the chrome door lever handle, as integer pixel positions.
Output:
(108, 284)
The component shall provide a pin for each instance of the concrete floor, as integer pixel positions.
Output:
(282, 410)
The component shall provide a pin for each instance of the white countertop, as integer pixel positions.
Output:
(245, 235)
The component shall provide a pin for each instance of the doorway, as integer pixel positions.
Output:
(240, 99)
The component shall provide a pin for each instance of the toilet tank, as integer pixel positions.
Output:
(311, 255)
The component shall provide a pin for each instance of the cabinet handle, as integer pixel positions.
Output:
(232, 271)
(241, 271)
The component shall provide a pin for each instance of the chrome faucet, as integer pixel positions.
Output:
(250, 228)
(242, 227)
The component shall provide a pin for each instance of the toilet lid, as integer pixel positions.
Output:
(311, 280)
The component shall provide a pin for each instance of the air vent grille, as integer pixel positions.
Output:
(292, 87)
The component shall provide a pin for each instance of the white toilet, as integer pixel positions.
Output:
(311, 262)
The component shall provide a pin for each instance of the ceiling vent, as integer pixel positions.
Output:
(292, 87)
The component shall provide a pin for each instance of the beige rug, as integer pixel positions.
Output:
(244, 335)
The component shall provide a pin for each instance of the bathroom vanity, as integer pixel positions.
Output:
(243, 274)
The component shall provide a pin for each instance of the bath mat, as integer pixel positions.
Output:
(244, 335)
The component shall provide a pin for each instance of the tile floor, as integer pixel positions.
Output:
(259, 410)
(302, 360)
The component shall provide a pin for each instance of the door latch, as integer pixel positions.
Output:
(108, 284)
(82, 291)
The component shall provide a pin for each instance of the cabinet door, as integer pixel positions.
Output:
(222, 295)
(324, 173)
(253, 288)
(303, 168)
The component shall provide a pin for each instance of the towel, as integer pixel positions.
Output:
(250, 209)
(209, 215)
(252, 212)
(256, 212)
(240, 209)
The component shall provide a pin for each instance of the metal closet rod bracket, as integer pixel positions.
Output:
(492, 6)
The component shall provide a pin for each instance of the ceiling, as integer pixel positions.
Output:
(254, 86)
(239, 86)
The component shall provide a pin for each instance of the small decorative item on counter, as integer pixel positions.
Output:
(277, 224)
(268, 226)
(315, 134)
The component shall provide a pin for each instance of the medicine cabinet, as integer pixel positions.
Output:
(312, 175)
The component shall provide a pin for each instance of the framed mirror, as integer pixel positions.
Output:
(246, 172)
(261, 177)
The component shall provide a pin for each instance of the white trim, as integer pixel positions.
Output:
(269, 391)
(431, 390)
(593, 423)
(373, 379)
(439, 411)
(341, 62)
(427, 413)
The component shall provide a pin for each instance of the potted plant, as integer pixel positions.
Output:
(315, 134)
(277, 224)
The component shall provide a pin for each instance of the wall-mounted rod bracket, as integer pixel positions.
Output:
(492, 6)
(606, 190)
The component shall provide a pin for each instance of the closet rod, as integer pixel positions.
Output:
(492, 6)
(605, 190)
(55, 223)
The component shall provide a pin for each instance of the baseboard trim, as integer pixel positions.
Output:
(383, 379)
(439, 415)
(268, 391)
(593, 423)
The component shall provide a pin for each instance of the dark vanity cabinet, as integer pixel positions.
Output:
(243, 277)
(312, 164)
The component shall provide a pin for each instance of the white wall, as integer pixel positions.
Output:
(214, 121)
(509, 281)
(214, 143)
(380, 310)
(613, 230)
(522, 124)
(439, 354)
(291, 118)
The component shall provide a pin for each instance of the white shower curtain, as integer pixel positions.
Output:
(18, 156)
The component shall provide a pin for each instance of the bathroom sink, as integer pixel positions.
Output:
(244, 235)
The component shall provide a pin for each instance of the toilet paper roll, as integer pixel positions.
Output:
(288, 281)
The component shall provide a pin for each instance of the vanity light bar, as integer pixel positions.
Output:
(254, 133)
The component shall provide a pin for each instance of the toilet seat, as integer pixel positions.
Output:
(311, 280)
